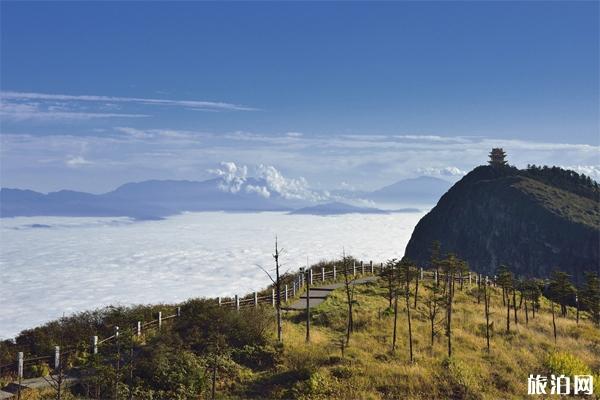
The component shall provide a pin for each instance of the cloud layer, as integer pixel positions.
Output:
(361, 162)
(23, 106)
(267, 181)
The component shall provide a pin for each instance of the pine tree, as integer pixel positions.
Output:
(561, 290)
(590, 296)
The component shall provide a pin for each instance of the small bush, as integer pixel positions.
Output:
(342, 372)
(567, 364)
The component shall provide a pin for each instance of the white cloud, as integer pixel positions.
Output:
(232, 175)
(442, 171)
(260, 190)
(363, 162)
(593, 171)
(235, 178)
(19, 111)
(195, 104)
(77, 161)
(289, 188)
(197, 254)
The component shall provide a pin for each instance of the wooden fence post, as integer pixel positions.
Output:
(362, 268)
(139, 328)
(372, 268)
(354, 268)
(469, 278)
(334, 273)
(219, 301)
(179, 311)
(20, 365)
(421, 273)
(237, 303)
(56, 357)
(286, 293)
(294, 289)
(255, 299)
(273, 297)
(311, 276)
(94, 344)
(159, 319)
(322, 274)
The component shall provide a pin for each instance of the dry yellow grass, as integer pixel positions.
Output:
(369, 370)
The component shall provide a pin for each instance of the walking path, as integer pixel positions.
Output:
(318, 294)
(10, 391)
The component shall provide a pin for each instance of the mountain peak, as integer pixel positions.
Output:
(533, 220)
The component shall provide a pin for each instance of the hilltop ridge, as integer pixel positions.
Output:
(533, 220)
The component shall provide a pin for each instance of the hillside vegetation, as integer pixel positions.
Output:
(239, 349)
(534, 220)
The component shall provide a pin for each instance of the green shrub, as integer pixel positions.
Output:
(256, 357)
(567, 364)
(40, 369)
(342, 372)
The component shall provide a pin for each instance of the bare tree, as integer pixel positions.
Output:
(436, 259)
(514, 290)
(57, 379)
(486, 300)
(417, 275)
(394, 335)
(507, 314)
(434, 302)
(277, 283)
(349, 286)
(218, 349)
(387, 274)
(407, 275)
(553, 321)
(450, 265)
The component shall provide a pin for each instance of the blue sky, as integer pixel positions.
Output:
(343, 94)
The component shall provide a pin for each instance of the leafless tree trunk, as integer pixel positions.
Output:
(407, 294)
(507, 314)
(395, 323)
(307, 305)
(277, 292)
(213, 389)
(486, 300)
(478, 277)
(553, 322)
(277, 284)
(348, 284)
(515, 305)
(416, 287)
(450, 290)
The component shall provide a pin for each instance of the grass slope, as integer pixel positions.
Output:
(565, 204)
(368, 370)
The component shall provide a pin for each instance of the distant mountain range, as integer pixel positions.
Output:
(337, 208)
(154, 199)
(420, 190)
(532, 220)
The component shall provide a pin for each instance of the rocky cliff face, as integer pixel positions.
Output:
(532, 220)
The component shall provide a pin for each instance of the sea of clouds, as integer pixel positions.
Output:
(55, 265)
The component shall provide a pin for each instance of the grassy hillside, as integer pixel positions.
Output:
(177, 362)
(571, 206)
(370, 371)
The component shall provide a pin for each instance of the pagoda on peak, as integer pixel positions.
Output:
(497, 157)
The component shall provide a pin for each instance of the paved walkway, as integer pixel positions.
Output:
(10, 391)
(318, 294)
